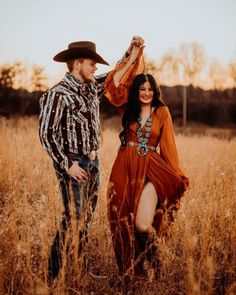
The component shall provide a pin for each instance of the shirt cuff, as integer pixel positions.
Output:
(66, 164)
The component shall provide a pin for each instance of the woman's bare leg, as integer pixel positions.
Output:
(146, 208)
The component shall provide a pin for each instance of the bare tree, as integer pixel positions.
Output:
(232, 71)
(10, 75)
(151, 66)
(169, 68)
(192, 58)
(38, 79)
(218, 74)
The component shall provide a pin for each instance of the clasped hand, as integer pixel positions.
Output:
(136, 43)
(76, 172)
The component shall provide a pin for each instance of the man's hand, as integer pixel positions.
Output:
(136, 41)
(76, 172)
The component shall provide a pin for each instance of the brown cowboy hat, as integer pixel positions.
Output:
(80, 49)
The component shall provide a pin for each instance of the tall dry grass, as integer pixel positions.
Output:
(199, 258)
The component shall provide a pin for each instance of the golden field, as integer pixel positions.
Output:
(199, 258)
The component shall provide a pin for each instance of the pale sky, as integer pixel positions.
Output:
(33, 31)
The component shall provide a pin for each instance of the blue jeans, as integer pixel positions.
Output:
(79, 196)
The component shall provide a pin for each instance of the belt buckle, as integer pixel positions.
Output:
(92, 155)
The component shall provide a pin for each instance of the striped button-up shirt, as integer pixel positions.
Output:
(69, 118)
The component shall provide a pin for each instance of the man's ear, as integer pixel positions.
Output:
(77, 64)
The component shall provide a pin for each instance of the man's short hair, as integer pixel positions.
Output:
(70, 63)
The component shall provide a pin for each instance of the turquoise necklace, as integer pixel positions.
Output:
(142, 147)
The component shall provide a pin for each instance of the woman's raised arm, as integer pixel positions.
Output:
(120, 79)
(119, 74)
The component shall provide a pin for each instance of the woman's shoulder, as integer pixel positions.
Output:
(162, 111)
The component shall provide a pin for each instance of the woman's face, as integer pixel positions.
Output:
(146, 93)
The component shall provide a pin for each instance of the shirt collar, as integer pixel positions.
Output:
(76, 84)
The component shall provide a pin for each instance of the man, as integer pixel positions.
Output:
(69, 131)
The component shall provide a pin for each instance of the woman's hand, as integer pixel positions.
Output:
(136, 41)
(135, 47)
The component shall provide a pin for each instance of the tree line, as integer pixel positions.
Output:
(20, 89)
(193, 86)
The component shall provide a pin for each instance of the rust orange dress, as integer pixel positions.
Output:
(130, 172)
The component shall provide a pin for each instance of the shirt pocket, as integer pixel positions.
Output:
(76, 113)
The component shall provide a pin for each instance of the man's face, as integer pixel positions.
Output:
(87, 69)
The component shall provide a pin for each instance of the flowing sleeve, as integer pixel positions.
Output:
(168, 150)
(118, 96)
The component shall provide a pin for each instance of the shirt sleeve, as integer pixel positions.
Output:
(118, 96)
(168, 150)
(52, 106)
(100, 80)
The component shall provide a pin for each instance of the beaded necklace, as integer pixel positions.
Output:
(142, 147)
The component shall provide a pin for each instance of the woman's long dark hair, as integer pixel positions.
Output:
(133, 106)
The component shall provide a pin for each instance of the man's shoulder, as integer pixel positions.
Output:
(60, 89)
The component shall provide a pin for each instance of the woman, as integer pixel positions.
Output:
(146, 181)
